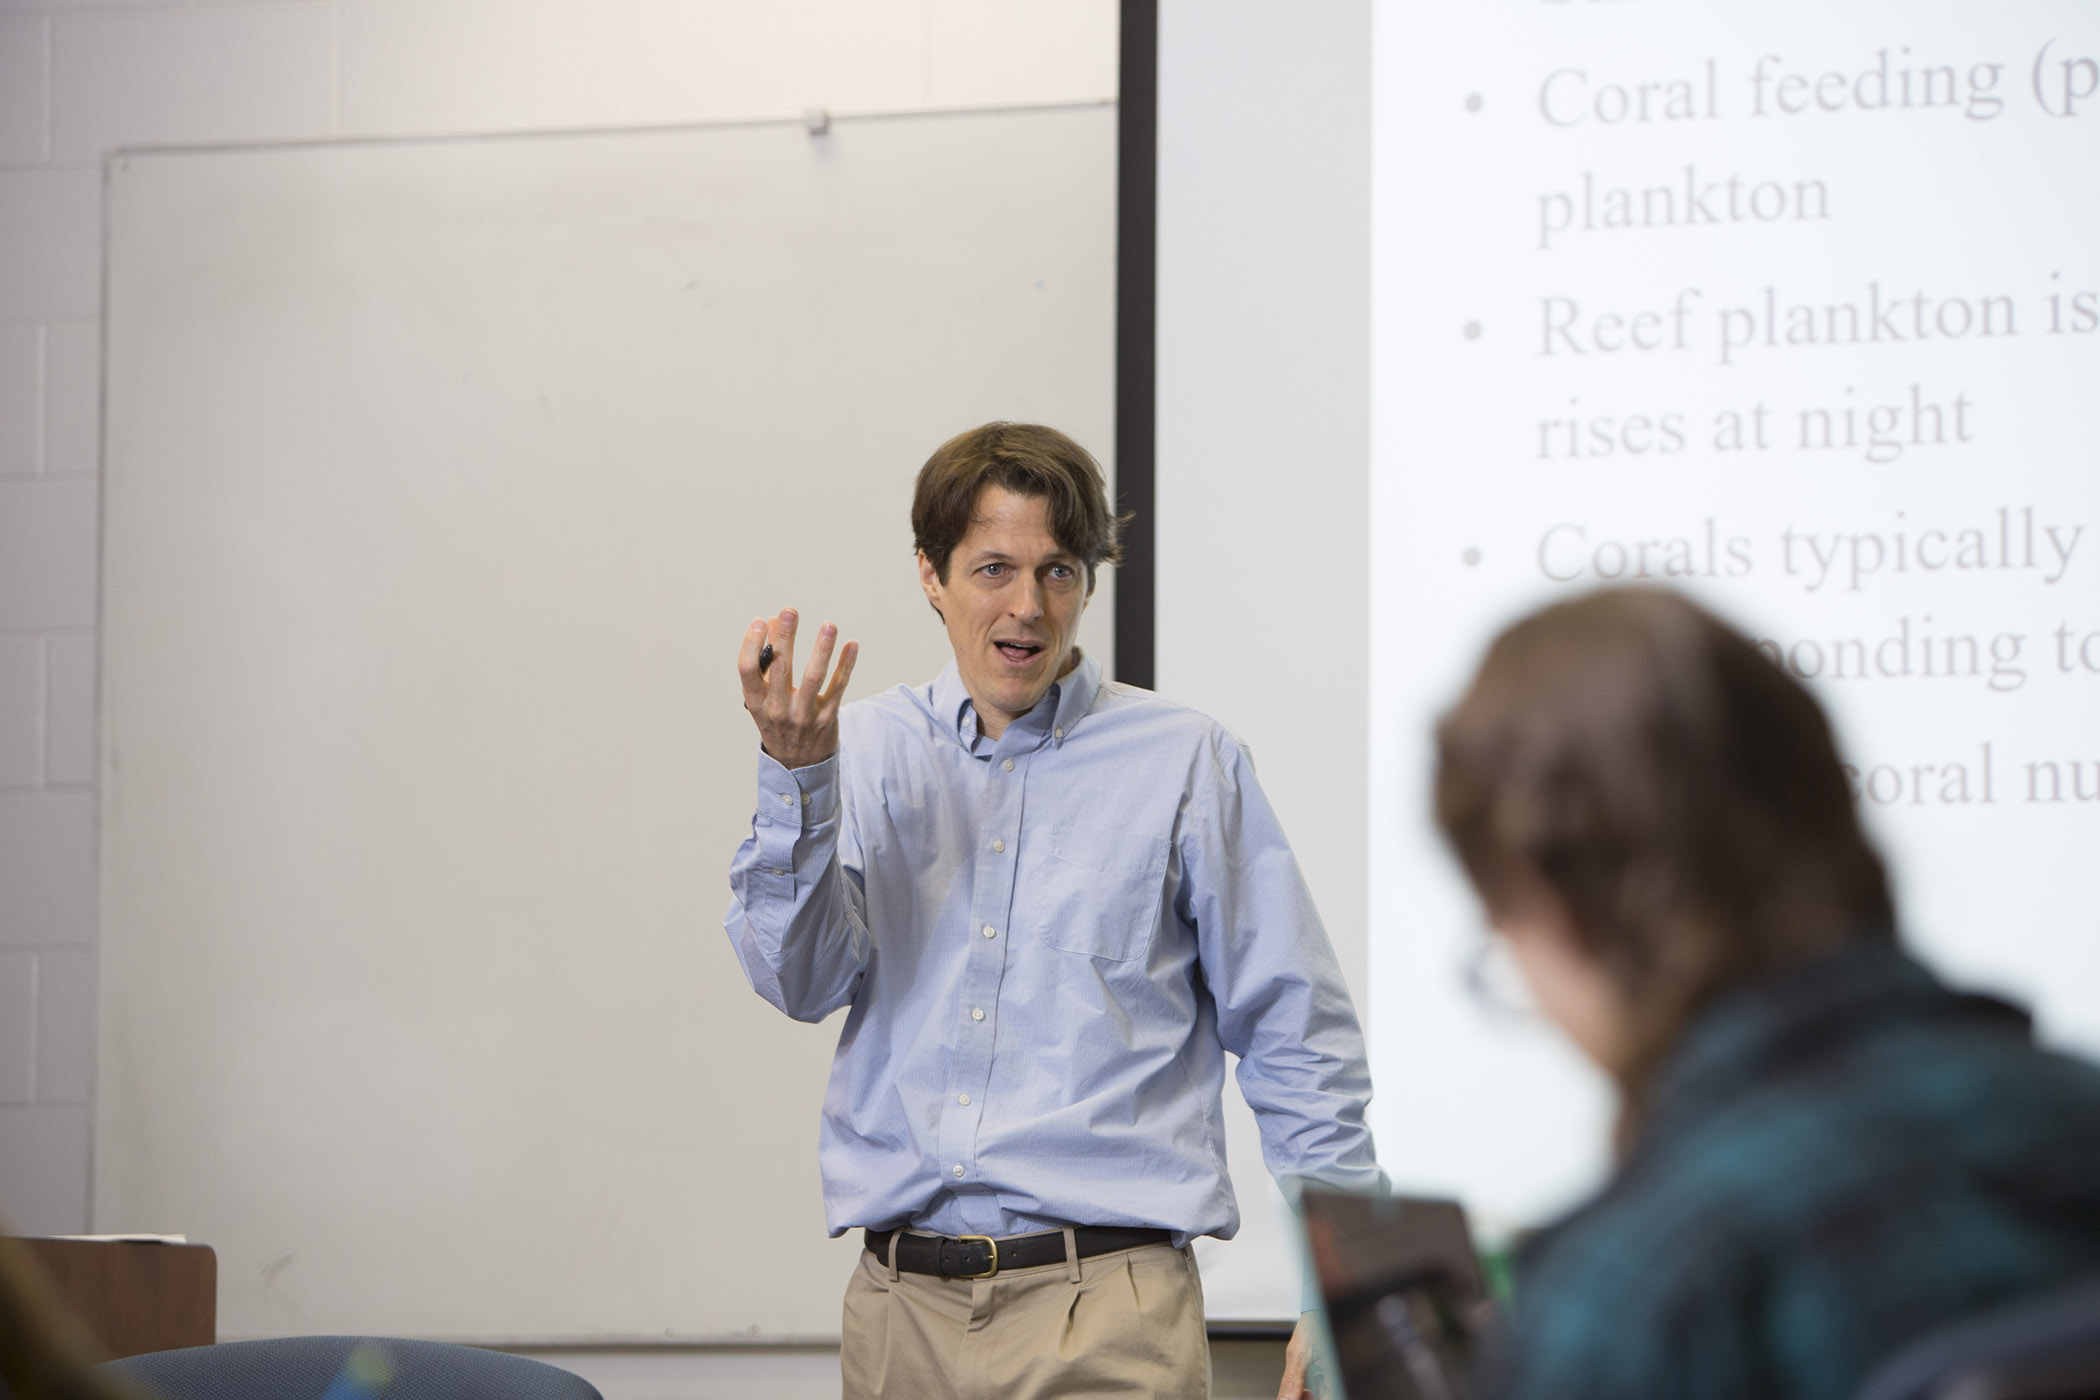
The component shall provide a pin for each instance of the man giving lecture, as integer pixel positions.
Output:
(1051, 905)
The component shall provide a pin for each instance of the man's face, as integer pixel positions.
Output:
(1012, 603)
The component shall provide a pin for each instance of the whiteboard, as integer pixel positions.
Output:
(441, 479)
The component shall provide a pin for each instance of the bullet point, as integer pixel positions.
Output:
(1471, 556)
(1474, 102)
(1472, 330)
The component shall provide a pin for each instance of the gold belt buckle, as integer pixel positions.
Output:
(989, 1243)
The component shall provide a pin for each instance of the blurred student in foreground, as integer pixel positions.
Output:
(1822, 1150)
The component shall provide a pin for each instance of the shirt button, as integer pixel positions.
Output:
(1057, 733)
(958, 1169)
(999, 846)
(990, 932)
(963, 1099)
(788, 798)
(805, 799)
(1007, 764)
(977, 1013)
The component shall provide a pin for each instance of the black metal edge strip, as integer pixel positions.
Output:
(1250, 1331)
(1137, 228)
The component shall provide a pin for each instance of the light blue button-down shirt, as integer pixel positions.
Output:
(1048, 942)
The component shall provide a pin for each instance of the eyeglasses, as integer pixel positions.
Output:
(1495, 982)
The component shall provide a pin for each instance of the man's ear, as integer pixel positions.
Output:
(930, 581)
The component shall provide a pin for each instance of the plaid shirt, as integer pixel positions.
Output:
(1838, 1157)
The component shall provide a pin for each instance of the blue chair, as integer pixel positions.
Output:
(347, 1368)
(2044, 1348)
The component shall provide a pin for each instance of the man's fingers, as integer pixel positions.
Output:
(1295, 1357)
(780, 676)
(812, 688)
(795, 711)
(1293, 1384)
(835, 694)
(747, 662)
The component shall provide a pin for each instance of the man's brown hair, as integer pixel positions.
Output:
(1028, 460)
(1678, 792)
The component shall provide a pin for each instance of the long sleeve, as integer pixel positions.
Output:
(1282, 1005)
(797, 913)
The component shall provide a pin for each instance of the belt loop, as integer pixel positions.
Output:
(1071, 1254)
(895, 1235)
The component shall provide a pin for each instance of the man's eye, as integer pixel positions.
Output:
(1063, 571)
(994, 570)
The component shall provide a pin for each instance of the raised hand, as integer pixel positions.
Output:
(797, 724)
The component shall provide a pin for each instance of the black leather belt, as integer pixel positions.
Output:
(981, 1256)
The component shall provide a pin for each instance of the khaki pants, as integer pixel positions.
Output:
(1123, 1324)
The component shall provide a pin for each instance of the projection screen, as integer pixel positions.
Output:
(1794, 308)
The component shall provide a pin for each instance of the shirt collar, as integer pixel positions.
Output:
(1052, 720)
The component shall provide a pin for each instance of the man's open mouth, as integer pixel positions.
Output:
(1020, 653)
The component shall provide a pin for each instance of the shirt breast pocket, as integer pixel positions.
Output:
(1102, 891)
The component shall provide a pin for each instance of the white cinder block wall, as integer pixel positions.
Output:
(79, 78)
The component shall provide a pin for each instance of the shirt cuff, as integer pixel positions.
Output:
(796, 798)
